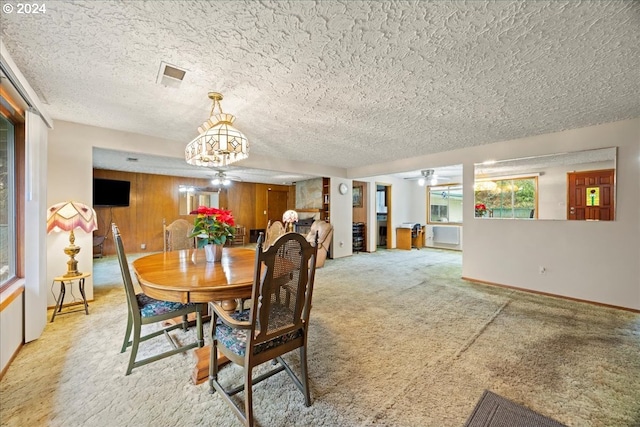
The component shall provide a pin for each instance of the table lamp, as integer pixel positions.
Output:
(67, 216)
(289, 217)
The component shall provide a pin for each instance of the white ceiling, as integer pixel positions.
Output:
(339, 83)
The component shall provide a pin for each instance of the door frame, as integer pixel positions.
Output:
(387, 194)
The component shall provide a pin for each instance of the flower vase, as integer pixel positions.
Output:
(213, 253)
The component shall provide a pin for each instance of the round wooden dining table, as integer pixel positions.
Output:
(185, 276)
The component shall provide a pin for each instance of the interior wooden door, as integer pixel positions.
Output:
(276, 204)
(591, 195)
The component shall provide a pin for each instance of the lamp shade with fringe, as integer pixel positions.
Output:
(67, 216)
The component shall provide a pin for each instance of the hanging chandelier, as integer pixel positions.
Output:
(219, 143)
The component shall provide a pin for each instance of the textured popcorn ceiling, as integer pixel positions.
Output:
(340, 83)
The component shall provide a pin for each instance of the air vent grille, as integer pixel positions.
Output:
(170, 75)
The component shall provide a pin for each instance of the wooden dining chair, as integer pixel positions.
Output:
(275, 229)
(144, 310)
(176, 235)
(277, 322)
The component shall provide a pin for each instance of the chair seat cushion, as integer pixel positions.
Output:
(236, 339)
(152, 307)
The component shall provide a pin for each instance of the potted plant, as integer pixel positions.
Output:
(213, 227)
(481, 209)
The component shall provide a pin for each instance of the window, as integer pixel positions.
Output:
(445, 204)
(7, 202)
(507, 198)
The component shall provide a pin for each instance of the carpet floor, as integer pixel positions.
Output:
(396, 339)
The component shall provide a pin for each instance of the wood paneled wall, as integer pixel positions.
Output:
(360, 213)
(156, 197)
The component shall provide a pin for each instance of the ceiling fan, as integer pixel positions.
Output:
(221, 179)
(429, 177)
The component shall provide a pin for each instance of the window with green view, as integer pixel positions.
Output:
(507, 198)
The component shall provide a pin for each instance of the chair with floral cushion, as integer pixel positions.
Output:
(144, 310)
(277, 322)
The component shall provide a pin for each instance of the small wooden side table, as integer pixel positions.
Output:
(63, 290)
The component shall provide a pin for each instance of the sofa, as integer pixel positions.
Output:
(325, 235)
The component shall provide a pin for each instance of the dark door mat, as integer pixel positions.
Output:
(496, 411)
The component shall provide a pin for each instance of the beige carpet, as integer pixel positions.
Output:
(397, 339)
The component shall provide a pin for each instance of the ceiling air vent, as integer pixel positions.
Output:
(170, 75)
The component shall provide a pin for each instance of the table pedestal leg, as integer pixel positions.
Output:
(200, 372)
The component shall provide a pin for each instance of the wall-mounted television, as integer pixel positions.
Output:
(110, 192)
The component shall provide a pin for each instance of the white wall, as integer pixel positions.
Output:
(11, 325)
(341, 208)
(70, 177)
(593, 261)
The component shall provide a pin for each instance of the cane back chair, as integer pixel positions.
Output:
(277, 322)
(176, 235)
(275, 229)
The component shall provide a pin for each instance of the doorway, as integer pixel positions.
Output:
(384, 234)
(359, 214)
(276, 204)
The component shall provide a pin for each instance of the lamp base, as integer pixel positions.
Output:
(72, 264)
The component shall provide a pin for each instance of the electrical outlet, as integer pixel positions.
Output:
(143, 246)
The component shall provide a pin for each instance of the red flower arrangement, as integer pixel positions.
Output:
(481, 209)
(213, 226)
